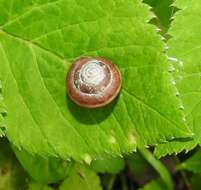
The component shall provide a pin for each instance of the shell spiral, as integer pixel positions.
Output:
(93, 77)
(93, 82)
(92, 72)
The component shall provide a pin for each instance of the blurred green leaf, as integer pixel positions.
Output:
(109, 165)
(12, 175)
(137, 164)
(196, 181)
(193, 163)
(35, 186)
(43, 170)
(154, 185)
(81, 178)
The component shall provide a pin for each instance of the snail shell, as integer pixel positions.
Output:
(93, 82)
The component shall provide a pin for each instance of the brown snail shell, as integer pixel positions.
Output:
(93, 82)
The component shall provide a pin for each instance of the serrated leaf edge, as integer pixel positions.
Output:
(3, 113)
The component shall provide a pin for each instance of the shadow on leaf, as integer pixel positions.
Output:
(90, 116)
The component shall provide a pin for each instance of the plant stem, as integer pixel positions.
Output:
(158, 166)
(183, 174)
(111, 182)
(188, 185)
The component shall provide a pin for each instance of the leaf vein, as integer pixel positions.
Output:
(149, 107)
(26, 105)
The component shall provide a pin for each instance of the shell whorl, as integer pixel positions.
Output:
(92, 72)
(93, 82)
(93, 77)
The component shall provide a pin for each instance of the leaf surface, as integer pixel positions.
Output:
(184, 52)
(40, 39)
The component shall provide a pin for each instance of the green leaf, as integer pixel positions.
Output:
(12, 176)
(40, 39)
(36, 186)
(108, 165)
(195, 181)
(43, 170)
(193, 163)
(184, 51)
(154, 185)
(81, 179)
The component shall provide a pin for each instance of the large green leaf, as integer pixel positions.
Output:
(184, 52)
(39, 40)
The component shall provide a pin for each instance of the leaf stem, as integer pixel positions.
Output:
(183, 174)
(158, 166)
(111, 182)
